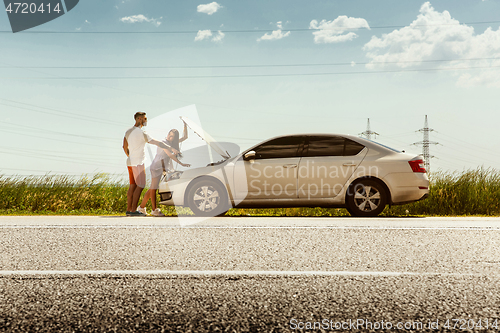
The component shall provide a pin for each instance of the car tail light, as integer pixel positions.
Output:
(417, 165)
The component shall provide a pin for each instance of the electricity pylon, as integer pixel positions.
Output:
(425, 144)
(368, 133)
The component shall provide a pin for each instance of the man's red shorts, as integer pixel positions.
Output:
(137, 175)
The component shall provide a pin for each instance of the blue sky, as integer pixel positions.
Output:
(391, 61)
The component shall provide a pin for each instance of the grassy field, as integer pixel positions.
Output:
(471, 192)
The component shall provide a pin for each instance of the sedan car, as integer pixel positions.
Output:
(301, 170)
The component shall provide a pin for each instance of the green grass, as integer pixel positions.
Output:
(471, 192)
(64, 195)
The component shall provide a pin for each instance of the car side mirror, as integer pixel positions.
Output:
(249, 155)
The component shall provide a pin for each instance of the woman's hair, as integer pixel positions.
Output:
(175, 141)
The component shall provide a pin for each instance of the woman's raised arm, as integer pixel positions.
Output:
(184, 133)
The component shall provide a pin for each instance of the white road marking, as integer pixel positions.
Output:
(105, 273)
(442, 223)
(490, 228)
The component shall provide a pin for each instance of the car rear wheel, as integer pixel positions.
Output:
(365, 198)
(207, 197)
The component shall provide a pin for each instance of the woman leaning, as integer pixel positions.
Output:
(160, 164)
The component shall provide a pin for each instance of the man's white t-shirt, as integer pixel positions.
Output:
(137, 139)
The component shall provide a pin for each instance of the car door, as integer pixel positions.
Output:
(273, 172)
(327, 163)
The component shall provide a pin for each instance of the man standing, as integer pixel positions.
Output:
(134, 143)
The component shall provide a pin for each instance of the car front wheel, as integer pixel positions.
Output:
(207, 197)
(366, 197)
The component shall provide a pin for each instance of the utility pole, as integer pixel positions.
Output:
(425, 144)
(368, 133)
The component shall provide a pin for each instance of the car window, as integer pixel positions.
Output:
(279, 148)
(352, 148)
(332, 146)
(325, 146)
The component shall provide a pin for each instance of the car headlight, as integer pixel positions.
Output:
(175, 175)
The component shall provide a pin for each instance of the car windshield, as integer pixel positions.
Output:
(378, 143)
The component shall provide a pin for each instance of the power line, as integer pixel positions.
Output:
(31, 170)
(59, 158)
(472, 155)
(489, 151)
(135, 92)
(99, 138)
(99, 85)
(250, 66)
(177, 100)
(92, 119)
(79, 153)
(141, 94)
(82, 136)
(87, 118)
(400, 135)
(63, 173)
(447, 163)
(456, 158)
(39, 152)
(58, 113)
(243, 75)
(400, 144)
(449, 159)
(245, 31)
(58, 140)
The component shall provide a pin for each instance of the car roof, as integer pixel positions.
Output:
(367, 143)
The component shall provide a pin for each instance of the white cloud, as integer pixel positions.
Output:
(202, 34)
(333, 31)
(219, 37)
(276, 34)
(141, 18)
(438, 36)
(206, 34)
(209, 8)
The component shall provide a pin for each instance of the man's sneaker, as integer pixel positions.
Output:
(137, 213)
(142, 210)
(157, 212)
(128, 213)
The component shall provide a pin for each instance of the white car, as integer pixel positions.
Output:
(302, 170)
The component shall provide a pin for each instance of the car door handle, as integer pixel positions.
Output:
(349, 164)
(290, 166)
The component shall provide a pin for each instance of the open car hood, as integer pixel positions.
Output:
(206, 137)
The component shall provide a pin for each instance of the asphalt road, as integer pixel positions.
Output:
(249, 274)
